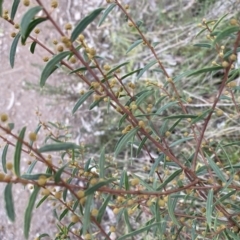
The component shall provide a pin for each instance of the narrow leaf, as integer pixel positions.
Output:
(35, 176)
(203, 45)
(106, 12)
(58, 174)
(81, 69)
(14, 8)
(131, 73)
(216, 169)
(209, 208)
(86, 219)
(63, 214)
(226, 33)
(28, 212)
(153, 62)
(217, 23)
(13, 49)
(102, 164)
(32, 47)
(205, 70)
(165, 107)
(171, 207)
(43, 235)
(122, 142)
(135, 44)
(31, 26)
(4, 158)
(1, 3)
(179, 141)
(138, 231)
(41, 201)
(117, 67)
(84, 23)
(18, 150)
(81, 100)
(143, 96)
(58, 147)
(9, 202)
(169, 179)
(95, 187)
(27, 18)
(103, 209)
(51, 65)
(201, 116)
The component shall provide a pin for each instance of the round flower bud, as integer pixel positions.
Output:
(225, 64)
(32, 136)
(37, 30)
(74, 219)
(9, 166)
(94, 212)
(45, 59)
(26, 3)
(68, 26)
(233, 22)
(60, 48)
(4, 117)
(54, 4)
(13, 34)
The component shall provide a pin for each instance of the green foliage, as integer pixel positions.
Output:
(189, 190)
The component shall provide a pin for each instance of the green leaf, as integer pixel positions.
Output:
(58, 147)
(35, 176)
(13, 49)
(10, 126)
(4, 158)
(138, 231)
(122, 119)
(43, 235)
(14, 9)
(63, 214)
(51, 66)
(204, 70)
(203, 30)
(31, 166)
(28, 212)
(141, 145)
(209, 208)
(179, 141)
(103, 208)
(182, 116)
(32, 47)
(217, 23)
(95, 103)
(153, 62)
(81, 69)
(102, 164)
(143, 96)
(31, 26)
(165, 107)
(216, 169)
(116, 67)
(9, 202)
(87, 214)
(58, 174)
(1, 3)
(95, 187)
(169, 179)
(105, 13)
(122, 141)
(84, 23)
(203, 45)
(156, 164)
(201, 116)
(41, 201)
(27, 18)
(131, 73)
(127, 222)
(226, 33)
(135, 44)
(171, 207)
(18, 150)
(81, 100)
